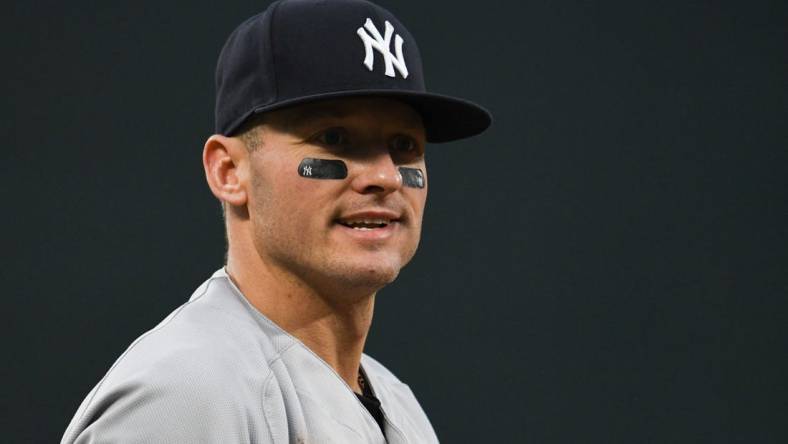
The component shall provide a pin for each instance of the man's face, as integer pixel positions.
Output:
(338, 234)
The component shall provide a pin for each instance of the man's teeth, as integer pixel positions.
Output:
(366, 224)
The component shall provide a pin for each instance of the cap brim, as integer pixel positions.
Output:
(445, 118)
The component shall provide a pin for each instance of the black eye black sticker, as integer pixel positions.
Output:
(322, 169)
(412, 177)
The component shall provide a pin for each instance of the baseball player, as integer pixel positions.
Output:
(322, 118)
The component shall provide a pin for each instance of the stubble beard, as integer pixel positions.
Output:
(324, 271)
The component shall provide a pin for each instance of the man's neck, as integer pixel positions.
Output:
(334, 331)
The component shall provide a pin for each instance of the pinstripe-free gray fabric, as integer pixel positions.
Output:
(217, 371)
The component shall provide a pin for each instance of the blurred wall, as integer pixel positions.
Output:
(609, 263)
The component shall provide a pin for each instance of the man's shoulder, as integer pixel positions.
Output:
(211, 335)
(207, 363)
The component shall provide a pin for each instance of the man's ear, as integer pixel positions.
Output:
(225, 161)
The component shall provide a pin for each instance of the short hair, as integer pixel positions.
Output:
(249, 132)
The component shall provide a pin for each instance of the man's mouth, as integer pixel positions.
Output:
(365, 223)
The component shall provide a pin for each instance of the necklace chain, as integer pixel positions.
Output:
(362, 383)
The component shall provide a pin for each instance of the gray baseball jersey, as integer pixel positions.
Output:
(217, 371)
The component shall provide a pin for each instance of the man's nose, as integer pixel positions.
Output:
(377, 174)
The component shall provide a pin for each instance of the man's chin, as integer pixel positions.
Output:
(370, 274)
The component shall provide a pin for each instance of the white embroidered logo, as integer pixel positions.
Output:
(381, 43)
(307, 170)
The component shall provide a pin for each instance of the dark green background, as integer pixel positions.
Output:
(608, 264)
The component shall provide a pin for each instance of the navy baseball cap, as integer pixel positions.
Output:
(299, 51)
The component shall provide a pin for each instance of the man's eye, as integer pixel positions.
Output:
(332, 137)
(404, 144)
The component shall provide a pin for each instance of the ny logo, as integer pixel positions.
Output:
(381, 43)
(307, 170)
